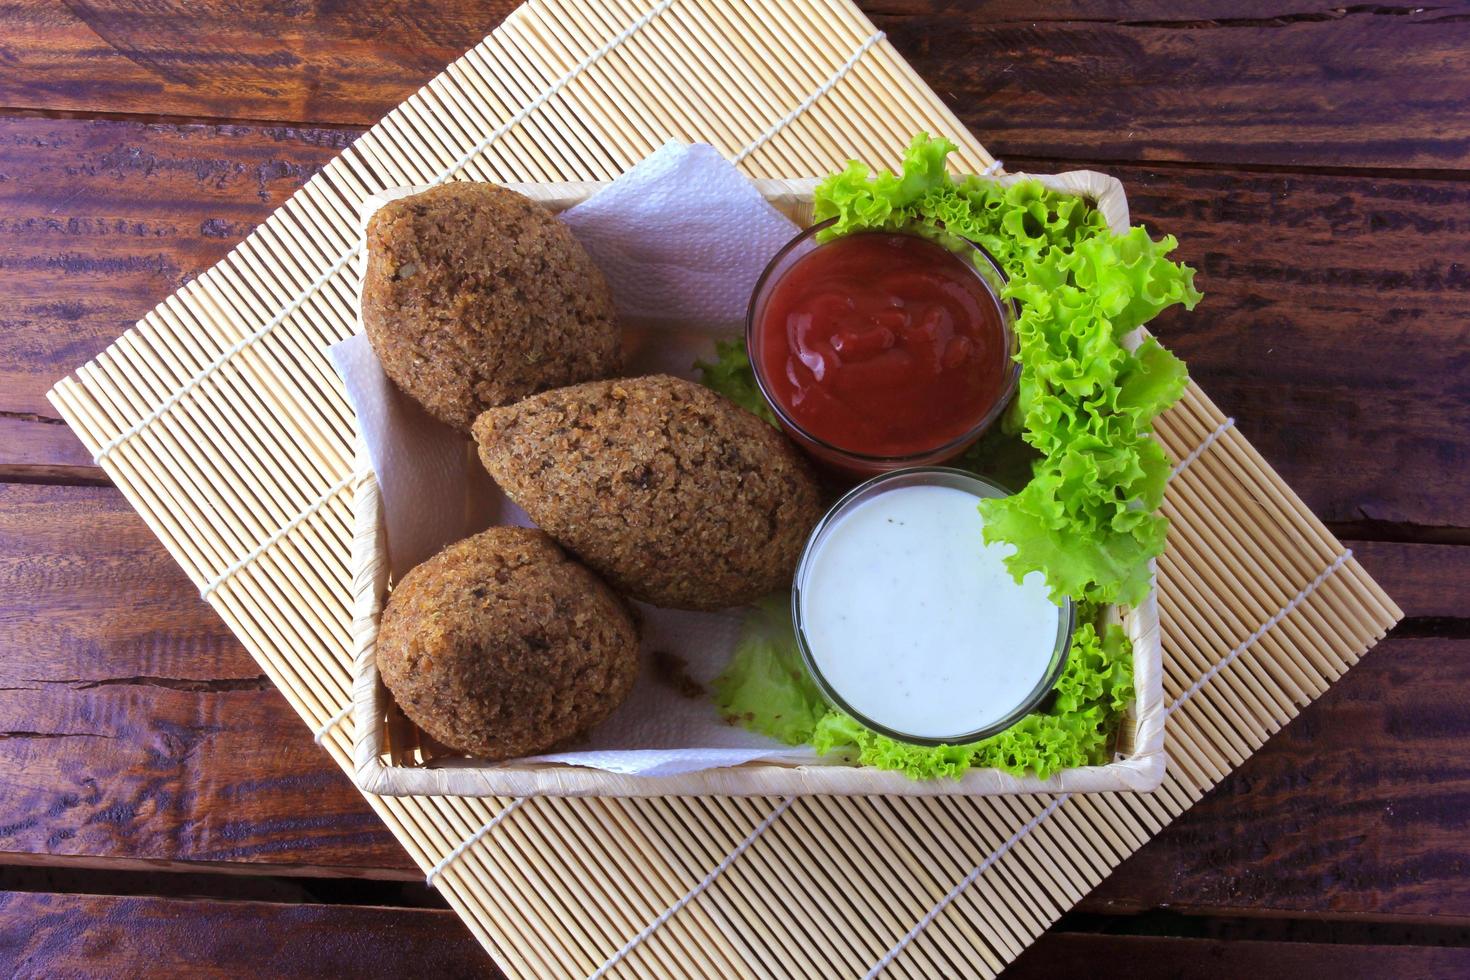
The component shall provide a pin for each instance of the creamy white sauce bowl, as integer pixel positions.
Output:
(910, 622)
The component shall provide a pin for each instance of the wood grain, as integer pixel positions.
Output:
(1158, 958)
(133, 725)
(326, 62)
(1430, 578)
(1315, 84)
(1356, 809)
(51, 935)
(138, 729)
(42, 449)
(100, 221)
(1326, 296)
(1299, 83)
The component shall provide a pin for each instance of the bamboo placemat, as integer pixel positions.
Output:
(221, 420)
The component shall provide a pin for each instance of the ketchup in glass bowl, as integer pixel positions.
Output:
(880, 350)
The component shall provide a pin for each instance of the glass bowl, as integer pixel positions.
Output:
(918, 476)
(987, 272)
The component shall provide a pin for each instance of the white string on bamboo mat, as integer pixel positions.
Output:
(807, 102)
(837, 76)
(1249, 641)
(964, 883)
(469, 841)
(275, 537)
(1199, 450)
(320, 734)
(342, 260)
(224, 356)
(1036, 821)
(555, 87)
(694, 892)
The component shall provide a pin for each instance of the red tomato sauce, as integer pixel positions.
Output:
(882, 344)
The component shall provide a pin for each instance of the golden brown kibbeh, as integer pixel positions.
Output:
(502, 646)
(477, 296)
(675, 495)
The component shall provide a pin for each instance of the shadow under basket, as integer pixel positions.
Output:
(393, 757)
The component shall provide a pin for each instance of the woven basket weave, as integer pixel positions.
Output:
(391, 757)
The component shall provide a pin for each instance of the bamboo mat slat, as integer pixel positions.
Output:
(220, 419)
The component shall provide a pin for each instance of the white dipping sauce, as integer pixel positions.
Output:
(914, 621)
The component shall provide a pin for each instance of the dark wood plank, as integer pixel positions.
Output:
(1430, 580)
(100, 221)
(233, 59)
(51, 935)
(1313, 84)
(1162, 958)
(1309, 83)
(1356, 809)
(42, 449)
(133, 726)
(1426, 580)
(1336, 324)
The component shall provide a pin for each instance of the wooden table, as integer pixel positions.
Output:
(162, 808)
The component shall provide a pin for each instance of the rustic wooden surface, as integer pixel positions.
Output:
(160, 808)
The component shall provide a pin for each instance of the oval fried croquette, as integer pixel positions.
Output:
(502, 646)
(675, 495)
(476, 296)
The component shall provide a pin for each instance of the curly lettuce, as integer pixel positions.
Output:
(1094, 477)
(731, 375)
(1087, 397)
(767, 689)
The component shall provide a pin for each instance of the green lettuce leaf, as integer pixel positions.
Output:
(1093, 476)
(765, 688)
(731, 375)
(1086, 402)
(862, 200)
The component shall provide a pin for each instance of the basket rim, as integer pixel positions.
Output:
(1141, 771)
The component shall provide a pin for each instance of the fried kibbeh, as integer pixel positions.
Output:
(673, 494)
(502, 646)
(477, 296)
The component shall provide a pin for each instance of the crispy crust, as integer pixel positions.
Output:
(476, 296)
(501, 646)
(675, 495)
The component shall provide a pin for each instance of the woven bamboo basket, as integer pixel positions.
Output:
(392, 757)
(221, 420)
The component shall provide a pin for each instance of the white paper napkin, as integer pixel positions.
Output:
(682, 238)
